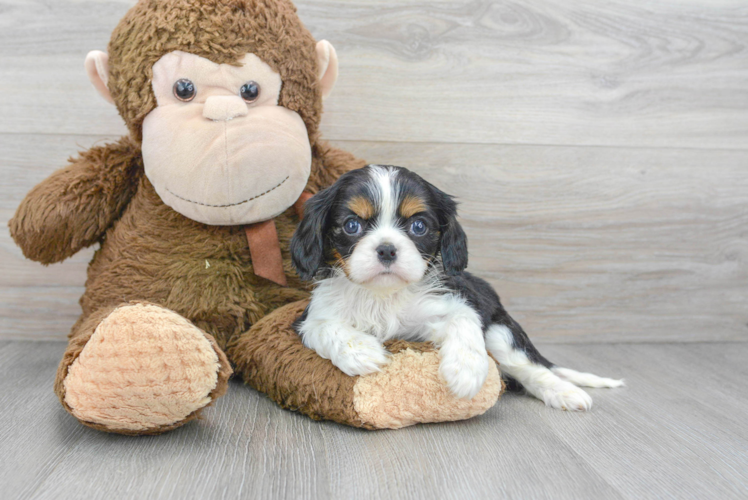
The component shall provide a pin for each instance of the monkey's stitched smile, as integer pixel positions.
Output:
(231, 204)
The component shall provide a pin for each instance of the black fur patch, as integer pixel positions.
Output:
(484, 299)
(310, 243)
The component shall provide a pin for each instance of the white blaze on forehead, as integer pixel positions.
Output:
(386, 196)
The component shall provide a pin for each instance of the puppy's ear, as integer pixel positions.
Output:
(308, 242)
(454, 248)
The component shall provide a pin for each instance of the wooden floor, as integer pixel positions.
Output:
(678, 430)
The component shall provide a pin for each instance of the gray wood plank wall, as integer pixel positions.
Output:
(599, 149)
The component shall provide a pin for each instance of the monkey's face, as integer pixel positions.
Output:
(218, 148)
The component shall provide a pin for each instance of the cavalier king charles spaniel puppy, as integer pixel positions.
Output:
(389, 258)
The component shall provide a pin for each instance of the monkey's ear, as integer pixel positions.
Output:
(327, 62)
(97, 67)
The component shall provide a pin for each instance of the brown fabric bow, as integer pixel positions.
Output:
(264, 247)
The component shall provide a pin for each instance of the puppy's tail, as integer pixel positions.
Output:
(582, 379)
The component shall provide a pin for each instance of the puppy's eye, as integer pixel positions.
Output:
(184, 90)
(250, 91)
(418, 227)
(352, 227)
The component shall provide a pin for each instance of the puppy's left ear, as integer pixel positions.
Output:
(308, 242)
(454, 240)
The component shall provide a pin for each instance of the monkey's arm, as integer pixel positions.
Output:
(331, 163)
(73, 207)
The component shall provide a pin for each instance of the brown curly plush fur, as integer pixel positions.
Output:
(150, 253)
(297, 379)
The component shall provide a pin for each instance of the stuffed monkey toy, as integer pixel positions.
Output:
(193, 212)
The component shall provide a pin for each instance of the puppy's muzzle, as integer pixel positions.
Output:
(387, 253)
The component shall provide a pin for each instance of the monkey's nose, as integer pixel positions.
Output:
(387, 253)
(224, 107)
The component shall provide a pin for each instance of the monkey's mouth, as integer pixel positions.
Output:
(230, 204)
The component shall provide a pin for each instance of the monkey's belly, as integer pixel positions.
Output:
(202, 272)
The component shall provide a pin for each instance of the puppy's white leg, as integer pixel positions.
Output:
(464, 361)
(354, 352)
(538, 380)
(586, 379)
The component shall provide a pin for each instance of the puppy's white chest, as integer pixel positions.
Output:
(382, 318)
(410, 314)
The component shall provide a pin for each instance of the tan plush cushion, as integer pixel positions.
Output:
(408, 391)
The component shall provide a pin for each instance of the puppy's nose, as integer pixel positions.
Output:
(387, 253)
(224, 107)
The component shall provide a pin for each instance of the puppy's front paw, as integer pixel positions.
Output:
(464, 369)
(567, 396)
(361, 355)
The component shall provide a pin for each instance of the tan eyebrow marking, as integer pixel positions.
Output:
(361, 207)
(410, 206)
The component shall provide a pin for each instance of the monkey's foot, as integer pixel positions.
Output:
(144, 370)
(407, 391)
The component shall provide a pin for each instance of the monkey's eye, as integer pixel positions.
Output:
(184, 90)
(418, 227)
(352, 227)
(250, 91)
